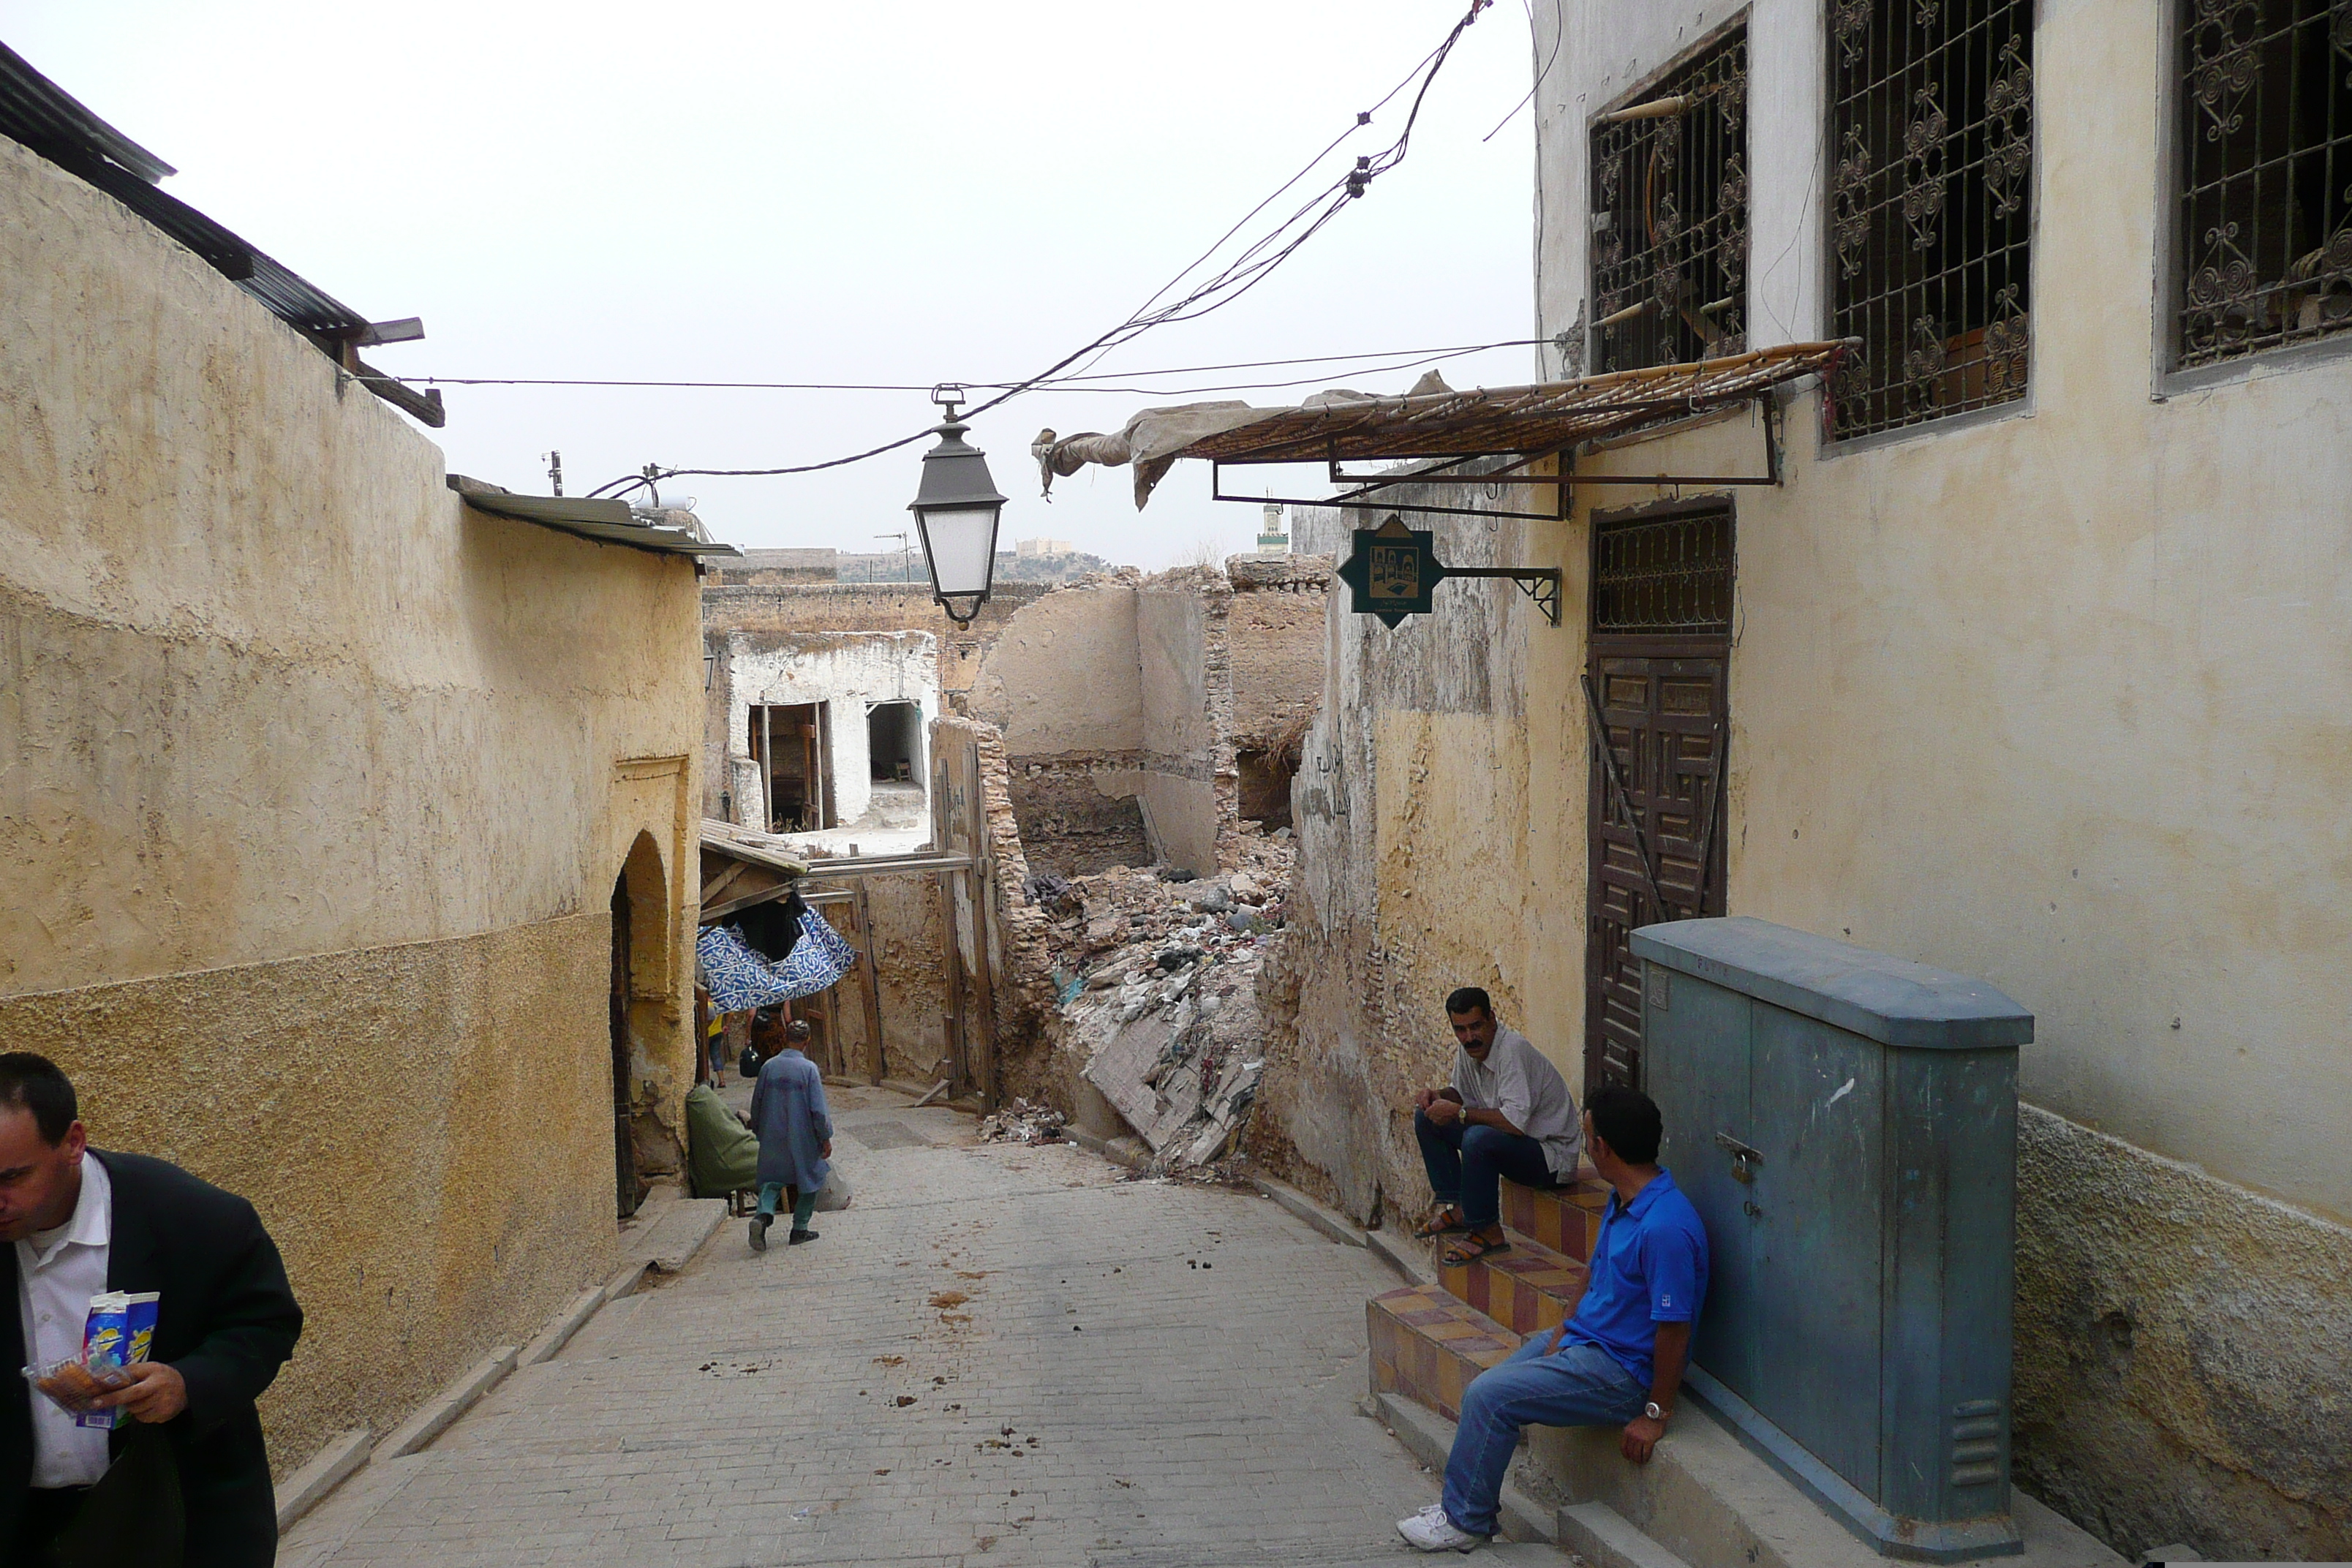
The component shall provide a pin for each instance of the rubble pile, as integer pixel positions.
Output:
(1019, 1122)
(1155, 974)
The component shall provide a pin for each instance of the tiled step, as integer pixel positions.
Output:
(1528, 1288)
(1565, 1219)
(1427, 1346)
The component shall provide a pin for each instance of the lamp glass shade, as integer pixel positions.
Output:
(959, 545)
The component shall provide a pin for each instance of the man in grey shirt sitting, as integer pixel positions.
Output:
(1507, 1114)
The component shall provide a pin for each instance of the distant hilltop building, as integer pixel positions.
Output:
(1272, 539)
(1031, 548)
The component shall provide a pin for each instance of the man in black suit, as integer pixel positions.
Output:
(82, 1221)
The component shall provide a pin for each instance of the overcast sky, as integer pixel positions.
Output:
(874, 191)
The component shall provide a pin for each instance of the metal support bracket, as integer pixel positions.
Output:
(1540, 584)
(1366, 496)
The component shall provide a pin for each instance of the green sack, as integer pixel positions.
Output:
(723, 1156)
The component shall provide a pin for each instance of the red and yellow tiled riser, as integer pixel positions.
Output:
(1565, 1219)
(1427, 1346)
(1527, 1289)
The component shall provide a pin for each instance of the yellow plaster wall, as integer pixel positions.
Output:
(314, 786)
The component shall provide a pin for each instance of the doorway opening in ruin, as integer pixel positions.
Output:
(792, 743)
(1265, 778)
(1656, 701)
(894, 737)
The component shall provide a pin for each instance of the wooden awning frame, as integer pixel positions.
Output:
(1448, 431)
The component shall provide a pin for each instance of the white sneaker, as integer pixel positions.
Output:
(1431, 1530)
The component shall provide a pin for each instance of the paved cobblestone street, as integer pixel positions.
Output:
(996, 1354)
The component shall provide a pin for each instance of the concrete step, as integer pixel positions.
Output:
(1565, 1219)
(1427, 1345)
(1429, 1437)
(1526, 1289)
(1602, 1536)
(1712, 1503)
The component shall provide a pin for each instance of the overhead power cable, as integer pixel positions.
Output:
(1229, 283)
(1405, 358)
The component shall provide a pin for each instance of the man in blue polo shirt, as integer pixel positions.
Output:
(1618, 1361)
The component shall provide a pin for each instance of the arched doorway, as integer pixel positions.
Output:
(639, 1006)
(627, 1193)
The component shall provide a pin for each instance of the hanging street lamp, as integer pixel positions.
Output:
(956, 508)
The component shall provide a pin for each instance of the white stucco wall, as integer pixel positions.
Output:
(851, 670)
(2061, 695)
(2082, 671)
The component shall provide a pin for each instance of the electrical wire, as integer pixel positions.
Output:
(1233, 281)
(1406, 357)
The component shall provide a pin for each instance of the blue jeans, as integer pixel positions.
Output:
(1582, 1386)
(1466, 1164)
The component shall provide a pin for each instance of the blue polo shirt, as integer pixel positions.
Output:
(1649, 1266)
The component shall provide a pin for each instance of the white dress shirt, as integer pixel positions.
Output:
(58, 1271)
(1516, 1080)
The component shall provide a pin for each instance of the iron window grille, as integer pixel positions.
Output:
(1931, 188)
(1670, 217)
(1668, 576)
(2265, 237)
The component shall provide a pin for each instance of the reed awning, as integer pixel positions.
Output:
(1512, 421)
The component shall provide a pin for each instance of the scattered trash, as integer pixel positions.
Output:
(903, 1400)
(1019, 1122)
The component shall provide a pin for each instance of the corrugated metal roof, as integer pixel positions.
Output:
(31, 100)
(585, 517)
(43, 116)
(1516, 419)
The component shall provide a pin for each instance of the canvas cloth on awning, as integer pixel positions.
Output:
(1345, 427)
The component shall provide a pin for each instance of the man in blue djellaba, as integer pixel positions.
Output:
(788, 1112)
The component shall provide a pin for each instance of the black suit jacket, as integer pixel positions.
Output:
(227, 1321)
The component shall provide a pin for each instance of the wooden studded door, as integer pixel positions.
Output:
(1656, 701)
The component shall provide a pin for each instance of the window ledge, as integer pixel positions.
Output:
(2248, 367)
(1833, 447)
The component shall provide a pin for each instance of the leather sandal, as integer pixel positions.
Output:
(1470, 1248)
(1440, 1224)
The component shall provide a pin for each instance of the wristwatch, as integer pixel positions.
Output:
(1653, 1411)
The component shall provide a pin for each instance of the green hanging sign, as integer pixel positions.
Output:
(1393, 570)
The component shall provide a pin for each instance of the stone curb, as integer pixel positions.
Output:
(1332, 1225)
(623, 1282)
(567, 1323)
(1429, 1437)
(1604, 1538)
(1401, 1252)
(679, 1251)
(345, 1456)
(301, 1492)
(454, 1401)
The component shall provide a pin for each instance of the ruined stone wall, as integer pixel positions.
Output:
(1190, 784)
(1275, 631)
(1116, 701)
(732, 606)
(314, 787)
(1061, 686)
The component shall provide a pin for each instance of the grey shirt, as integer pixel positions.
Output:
(1517, 1080)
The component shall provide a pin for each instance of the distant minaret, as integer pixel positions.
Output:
(1271, 539)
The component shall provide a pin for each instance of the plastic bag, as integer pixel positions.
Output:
(835, 1193)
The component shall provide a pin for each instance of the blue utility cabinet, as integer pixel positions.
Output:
(1845, 1123)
